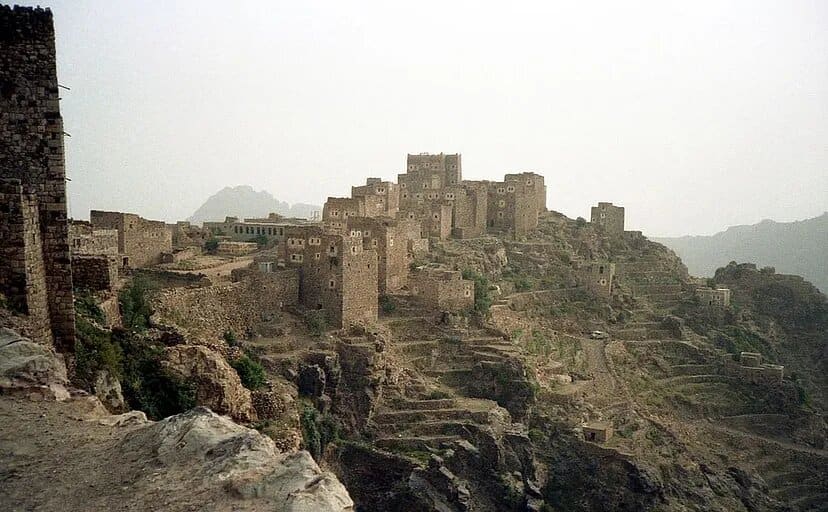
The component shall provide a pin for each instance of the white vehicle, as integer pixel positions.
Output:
(599, 335)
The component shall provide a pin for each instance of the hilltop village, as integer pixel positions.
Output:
(425, 344)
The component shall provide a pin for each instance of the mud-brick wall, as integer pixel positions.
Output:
(31, 151)
(207, 313)
(97, 273)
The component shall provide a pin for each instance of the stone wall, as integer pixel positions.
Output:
(140, 240)
(389, 239)
(31, 152)
(445, 290)
(209, 312)
(183, 254)
(84, 239)
(381, 198)
(609, 217)
(337, 274)
(598, 276)
(95, 272)
(229, 248)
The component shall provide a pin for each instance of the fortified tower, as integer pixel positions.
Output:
(35, 268)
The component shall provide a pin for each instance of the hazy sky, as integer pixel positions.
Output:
(694, 115)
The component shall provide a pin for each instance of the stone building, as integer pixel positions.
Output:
(85, 239)
(380, 198)
(443, 289)
(95, 272)
(35, 263)
(337, 274)
(140, 241)
(337, 211)
(719, 297)
(390, 238)
(598, 276)
(186, 235)
(597, 432)
(609, 217)
(515, 203)
(272, 227)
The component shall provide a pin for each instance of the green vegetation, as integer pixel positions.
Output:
(437, 394)
(125, 355)
(482, 298)
(135, 305)
(318, 430)
(522, 284)
(95, 352)
(211, 245)
(262, 240)
(387, 304)
(316, 322)
(147, 385)
(250, 372)
(230, 338)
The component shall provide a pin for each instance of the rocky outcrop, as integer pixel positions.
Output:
(217, 384)
(28, 367)
(108, 390)
(210, 451)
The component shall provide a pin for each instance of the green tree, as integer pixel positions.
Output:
(482, 298)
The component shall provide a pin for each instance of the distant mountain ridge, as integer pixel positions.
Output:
(243, 201)
(799, 247)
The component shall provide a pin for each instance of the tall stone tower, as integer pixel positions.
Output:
(35, 269)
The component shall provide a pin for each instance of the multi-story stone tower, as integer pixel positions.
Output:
(35, 268)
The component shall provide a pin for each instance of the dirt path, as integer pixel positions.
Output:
(220, 272)
(603, 383)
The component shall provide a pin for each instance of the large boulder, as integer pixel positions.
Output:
(30, 367)
(217, 384)
(210, 451)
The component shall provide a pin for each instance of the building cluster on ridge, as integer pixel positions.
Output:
(363, 246)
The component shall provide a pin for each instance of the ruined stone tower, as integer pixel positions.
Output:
(35, 268)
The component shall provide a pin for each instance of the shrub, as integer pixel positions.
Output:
(580, 222)
(318, 430)
(250, 372)
(87, 307)
(146, 384)
(94, 352)
(135, 306)
(482, 299)
(316, 322)
(262, 240)
(211, 245)
(230, 337)
(522, 284)
(387, 304)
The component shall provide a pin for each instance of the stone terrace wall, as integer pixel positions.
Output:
(95, 272)
(207, 313)
(31, 151)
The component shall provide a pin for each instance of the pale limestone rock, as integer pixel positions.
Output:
(217, 384)
(209, 450)
(31, 368)
(108, 390)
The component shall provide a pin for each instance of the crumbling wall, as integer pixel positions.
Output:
(140, 240)
(208, 312)
(95, 272)
(84, 239)
(31, 156)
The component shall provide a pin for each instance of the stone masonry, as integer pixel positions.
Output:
(444, 289)
(337, 274)
(609, 217)
(141, 242)
(35, 266)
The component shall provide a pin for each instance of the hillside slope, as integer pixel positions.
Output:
(242, 201)
(791, 247)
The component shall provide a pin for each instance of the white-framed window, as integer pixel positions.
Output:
(403, 185)
(334, 213)
(374, 242)
(411, 215)
(501, 190)
(499, 215)
(449, 196)
(510, 188)
(314, 241)
(528, 182)
(425, 184)
(391, 242)
(467, 293)
(296, 257)
(317, 256)
(353, 249)
(405, 195)
(501, 203)
(380, 190)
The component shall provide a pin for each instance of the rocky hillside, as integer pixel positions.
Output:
(62, 450)
(791, 247)
(242, 201)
